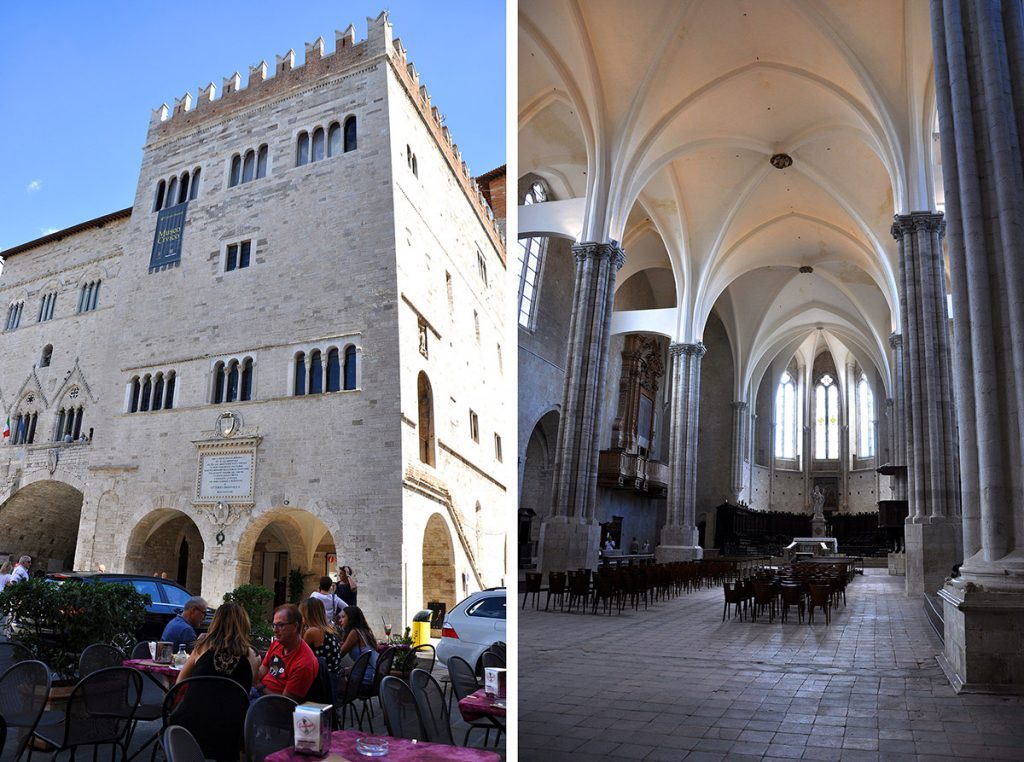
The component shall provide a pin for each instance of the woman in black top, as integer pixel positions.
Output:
(347, 588)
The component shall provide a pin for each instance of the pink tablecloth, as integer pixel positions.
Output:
(344, 743)
(479, 704)
(148, 665)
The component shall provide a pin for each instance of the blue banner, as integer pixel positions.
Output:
(170, 232)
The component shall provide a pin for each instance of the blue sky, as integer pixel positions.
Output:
(80, 80)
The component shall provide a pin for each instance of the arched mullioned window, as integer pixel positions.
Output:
(334, 139)
(169, 392)
(147, 393)
(161, 187)
(172, 193)
(350, 367)
(786, 418)
(261, 162)
(531, 253)
(865, 446)
(826, 418)
(195, 185)
(183, 193)
(350, 134)
(89, 297)
(425, 424)
(69, 423)
(300, 374)
(23, 427)
(318, 144)
(245, 391)
(158, 393)
(316, 372)
(233, 379)
(302, 149)
(218, 383)
(133, 406)
(248, 166)
(333, 370)
(236, 171)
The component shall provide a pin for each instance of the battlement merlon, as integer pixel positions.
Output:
(346, 52)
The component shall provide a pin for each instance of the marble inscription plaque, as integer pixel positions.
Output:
(226, 476)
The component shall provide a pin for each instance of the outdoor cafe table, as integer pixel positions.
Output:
(164, 672)
(343, 742)
(479, 704)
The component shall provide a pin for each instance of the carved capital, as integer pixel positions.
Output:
(610, 251)
(896, 340)
(739, 406)
(690, 350)
(933, 222)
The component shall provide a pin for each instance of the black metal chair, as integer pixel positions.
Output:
(180, 746)
(401, 715)
(151, 707)
(498, 648)
(11, 654)
(268, 726)
(24, 690)
(425, 658)
(491, 659)
(464, 683)
(99, 656)
(213, 710)
(99, 712)
(366, 696)
(353, 688)
(531, 586)
(433, 712)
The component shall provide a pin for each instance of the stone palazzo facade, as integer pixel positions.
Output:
(284, 356)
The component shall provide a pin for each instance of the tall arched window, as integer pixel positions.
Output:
(826, 418)
(169, 393)
(425, 426)
(261, 162)
(183, 193)
(195, 185)
(786, 423)
(302, 150)
(236, 171)
(158, 392)
(334, 139)
(318, 144)
(136, 391)
(248, 166)
(531, 250)
(232, 393)
(172, 192)
(300, 374)
(333, 371)
(246, 392)
(160, 188)
(218, 383)
(350, 368)
(316, 372)
(147, 391)
(865, 418)
(350, 134)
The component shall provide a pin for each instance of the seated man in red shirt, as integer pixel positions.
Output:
(289, 667)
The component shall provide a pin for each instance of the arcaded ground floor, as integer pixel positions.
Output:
(675, 682)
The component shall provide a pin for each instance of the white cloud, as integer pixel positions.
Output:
(33, 186)
(47, 231)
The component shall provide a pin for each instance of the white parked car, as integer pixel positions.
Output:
(473, 626)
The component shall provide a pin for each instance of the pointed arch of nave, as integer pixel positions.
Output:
(41, 519)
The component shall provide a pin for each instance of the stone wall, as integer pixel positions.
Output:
(714, 436)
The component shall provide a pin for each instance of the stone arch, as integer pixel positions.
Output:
(438, 564)
(278, 541)
(535, 489)
(156, 546)
(41, 520)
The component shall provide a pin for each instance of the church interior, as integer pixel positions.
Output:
(766, 295)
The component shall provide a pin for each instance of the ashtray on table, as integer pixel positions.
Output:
(372, 746)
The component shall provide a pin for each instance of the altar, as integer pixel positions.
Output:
(811, 547)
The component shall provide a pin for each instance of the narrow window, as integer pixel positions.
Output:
(302, 150)
(451, 293)
(350, 134)
(172, 192)
(425, 425)
(77, 430)
(497, 448)
(218, 383)
(826, 408)
(248, 166)
(865, 415)
(334, 139)
(316, 373)
(183, 193)
(246, 393)
(333, 371)
(195, 185)
(58, 433)
(415, 166)
(474, 426)
(158, 392)
(44, 361)
(501, 364)
(169, 398)
(785, 418)
(318, 144)
(261, 162)
(476, 326)
(32, 428)
(481, 266)
(42, 309)
(95, 295)
(147, 390)
(300, 374)
(236, 171)
(161, 186)
(350, 368)
(243, 254)
(232, 394)
(232, 259)
(136, 390)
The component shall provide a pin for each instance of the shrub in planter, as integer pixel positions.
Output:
(254, 600)
(56, 622)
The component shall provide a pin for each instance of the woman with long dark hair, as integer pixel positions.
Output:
(358, 639)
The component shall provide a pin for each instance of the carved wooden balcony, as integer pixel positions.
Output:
(619, 469)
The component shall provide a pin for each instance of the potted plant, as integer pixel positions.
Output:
(57, 621)
(254, 599)
(405, 658)
(297, 585)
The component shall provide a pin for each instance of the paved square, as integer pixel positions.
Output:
(675, 682)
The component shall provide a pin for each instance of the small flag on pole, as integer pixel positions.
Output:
(7, 428)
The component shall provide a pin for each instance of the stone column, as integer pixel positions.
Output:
(933, 527)
(979, 59)
(679, 535)
(898, 421)
(569, 537)
(739, 449)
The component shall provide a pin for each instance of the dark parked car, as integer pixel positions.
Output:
(167, 598)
